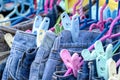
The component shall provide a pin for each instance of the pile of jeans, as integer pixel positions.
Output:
(29, 62)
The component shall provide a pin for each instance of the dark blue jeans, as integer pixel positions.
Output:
(23, 69)
(88, 71)
(64, 41)
(22, 41)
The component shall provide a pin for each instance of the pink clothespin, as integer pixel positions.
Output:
(28, 31)
(73, 63)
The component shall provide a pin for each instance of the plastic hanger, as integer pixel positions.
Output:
(116, 47)
(80, 11)
(40, 6)
(101, 22)
(23, 15)
(8, 5)
(50, 5)
(109, 33)
(15, 11)
(88, 22)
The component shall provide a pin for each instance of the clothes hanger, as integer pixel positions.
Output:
(7, 5)
(40, 6)
(80, 11)
(109, 34)
(101, 22)
(88, 22)
(15, 11)
(24, 15)
(116, 47)
(50, 5)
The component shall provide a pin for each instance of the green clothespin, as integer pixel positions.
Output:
(101, 60)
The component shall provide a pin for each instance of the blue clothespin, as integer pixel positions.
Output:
(36, 24)
(42, 30)
(66, 22)
(75, 28)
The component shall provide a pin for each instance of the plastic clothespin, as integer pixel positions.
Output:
(9, 39)
(71, 25)
(44, 24)
(112, 70)
(75, 28)
(41, 31)
(36, 24)
(85, 53)
(66, 22)
(101, 60)
(76, 63)
(73, 63)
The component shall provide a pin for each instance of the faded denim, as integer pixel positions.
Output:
(22, 41)
(23, 69)
(38, 65)
(59, 75)
(64, 41)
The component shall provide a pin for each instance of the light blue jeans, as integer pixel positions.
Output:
(22, 41)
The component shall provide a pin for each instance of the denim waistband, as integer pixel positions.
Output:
(64, 40)
(23, 41)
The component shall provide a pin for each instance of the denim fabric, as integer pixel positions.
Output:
(88, 71)
(116, 57)
(64, 41)
(38, 65)
(2, 66)
(59, 75)
(23, 69)
(22, 41)
(84, 73)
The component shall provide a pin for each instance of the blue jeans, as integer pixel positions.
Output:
(23, 69)
(88, 71)
(64, 41)
(38, 65)
(22, 41)
(58, 75)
